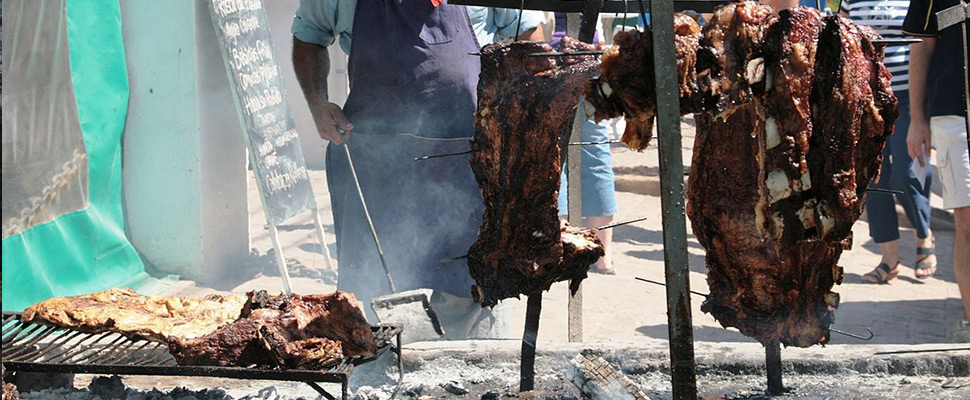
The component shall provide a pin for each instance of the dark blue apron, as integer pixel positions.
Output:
(412, 93)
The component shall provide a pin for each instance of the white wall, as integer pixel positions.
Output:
(184, 152)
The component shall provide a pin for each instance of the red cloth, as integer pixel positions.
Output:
(436, 2)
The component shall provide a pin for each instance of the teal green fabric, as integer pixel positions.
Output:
(87, 250)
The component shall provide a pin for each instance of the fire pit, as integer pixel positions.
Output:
(38, 348)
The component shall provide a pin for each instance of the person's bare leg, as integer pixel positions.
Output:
(931, 259)
(606, 237)
(961, 256)
(890, 252)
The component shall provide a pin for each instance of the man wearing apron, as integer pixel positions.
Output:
(413, 93)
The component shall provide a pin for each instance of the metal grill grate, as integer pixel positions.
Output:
(38, 348)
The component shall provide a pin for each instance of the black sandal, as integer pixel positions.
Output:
(923, 253)
(882, 274)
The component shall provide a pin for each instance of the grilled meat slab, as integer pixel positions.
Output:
(127, 312)
(627, 85)
(525, 105)
(284, 331)
(802, 143)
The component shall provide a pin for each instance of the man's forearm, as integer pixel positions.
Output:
(533, 35)
(311, 63)
(920, 55)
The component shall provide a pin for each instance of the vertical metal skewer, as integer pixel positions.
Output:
(527, 366)
(773, 366)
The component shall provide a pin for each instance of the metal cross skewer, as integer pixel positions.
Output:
(598, 228)
(422, 158)
(836, 331)
(880, 190)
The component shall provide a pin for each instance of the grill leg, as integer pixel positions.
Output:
(323, 392)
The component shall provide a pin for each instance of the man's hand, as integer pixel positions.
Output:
(330, 121)
(918, 140)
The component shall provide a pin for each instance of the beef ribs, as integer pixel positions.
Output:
(124, 311)
(284, 331)
(627, 84)
(525, 105)
(803, 138)
(730, 68)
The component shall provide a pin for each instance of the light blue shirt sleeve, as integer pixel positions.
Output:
(321, 22)
(492, 24)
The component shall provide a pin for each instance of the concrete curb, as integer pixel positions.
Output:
(650, 356)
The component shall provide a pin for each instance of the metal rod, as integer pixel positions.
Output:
(370, 222)
(880, 190)
(853, 335)
(882, 353)
(773, 366)
(896, 42)
(422, 158)
(461, 153)
(593, 143)
(527, 370)
(567, 53)
(452, 259)
(676, 267)
(661, 284)
(615, 224)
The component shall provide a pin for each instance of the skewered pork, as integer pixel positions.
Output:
(801, 116)
(284, 331)
(127, 312)
(525, 105)
(627, 84)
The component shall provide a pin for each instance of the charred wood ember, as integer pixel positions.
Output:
(127, 312)
(525, 104)
(10, 392)
(627, 85)
(284, 331)
(803, 136)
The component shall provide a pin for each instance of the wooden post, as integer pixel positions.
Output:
(773, 366)
(574, 194)
(527, 366)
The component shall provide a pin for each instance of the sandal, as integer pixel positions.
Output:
(882, 274)
(922, 266)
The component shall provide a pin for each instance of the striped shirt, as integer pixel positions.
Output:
(886, 17)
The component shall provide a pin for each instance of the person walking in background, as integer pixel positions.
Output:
(938, 110)
(599, 194)
(886, 17)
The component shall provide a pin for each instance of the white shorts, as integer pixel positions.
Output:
(952, 158)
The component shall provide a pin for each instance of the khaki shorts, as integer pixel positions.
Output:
(952, 158)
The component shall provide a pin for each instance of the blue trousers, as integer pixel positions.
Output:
(897, 174)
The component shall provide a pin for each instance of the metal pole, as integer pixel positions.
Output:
(680, 328)
(574, 194)
(527, 368)
(773, 365)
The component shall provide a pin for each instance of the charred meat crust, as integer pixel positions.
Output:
(525, 104)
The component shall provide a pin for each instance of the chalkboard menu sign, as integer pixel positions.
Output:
(243, 32)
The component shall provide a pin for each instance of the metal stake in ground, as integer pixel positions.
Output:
(527, 366)
(773, 365)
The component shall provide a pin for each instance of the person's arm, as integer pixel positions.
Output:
(918, 136)
(311, 63)
(533, 35)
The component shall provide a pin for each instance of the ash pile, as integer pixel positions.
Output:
(113, 388)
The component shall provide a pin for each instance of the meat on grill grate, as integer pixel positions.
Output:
(284, 331)
(525, 105)
(124, 311)
(802, 127)
(627, 84)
